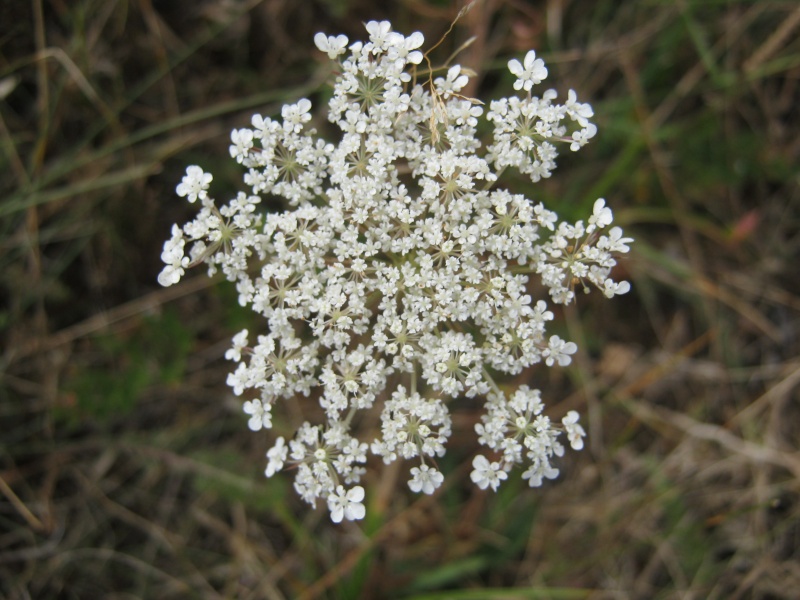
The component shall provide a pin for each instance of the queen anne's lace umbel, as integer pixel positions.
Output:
(401, 276)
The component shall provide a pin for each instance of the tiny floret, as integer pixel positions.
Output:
(404, 49)
(174, 258)
(531, 73)
(379, 34)
(332, 45)
(601, 216)
(347, 504)
(425, 479)
(239, 343)
(559, 351)
(575, 432)
(486, 474)
(453, 83)
(260, 415)
(276, 457)
(194, 184)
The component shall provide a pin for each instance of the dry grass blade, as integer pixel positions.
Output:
(18, 504)
(771, 45)
(756, 453)
(99, 322)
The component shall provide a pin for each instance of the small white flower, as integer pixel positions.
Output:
(174, 258)
(194, 184)
(332, 45)
(239, 379)
(581, 113)
(170, 275)
(575, 432)
(486, 474)
(558, 351)
(425, 479)
(404, 49)
(239, 344)
(277, 457)
(454, 82)
(611, 288)
(581, 137)
(533, 72)
(261, 414)
(538, 471)
(173, 248)
(347, 504)
(379, 33)
(295, 115)
(242, 144)
(614, 242)
(601, 215)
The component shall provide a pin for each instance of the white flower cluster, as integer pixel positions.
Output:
(400, 276)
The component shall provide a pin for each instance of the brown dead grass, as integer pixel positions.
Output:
(119, 478)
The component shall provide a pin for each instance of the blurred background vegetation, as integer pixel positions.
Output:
(126, 466)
